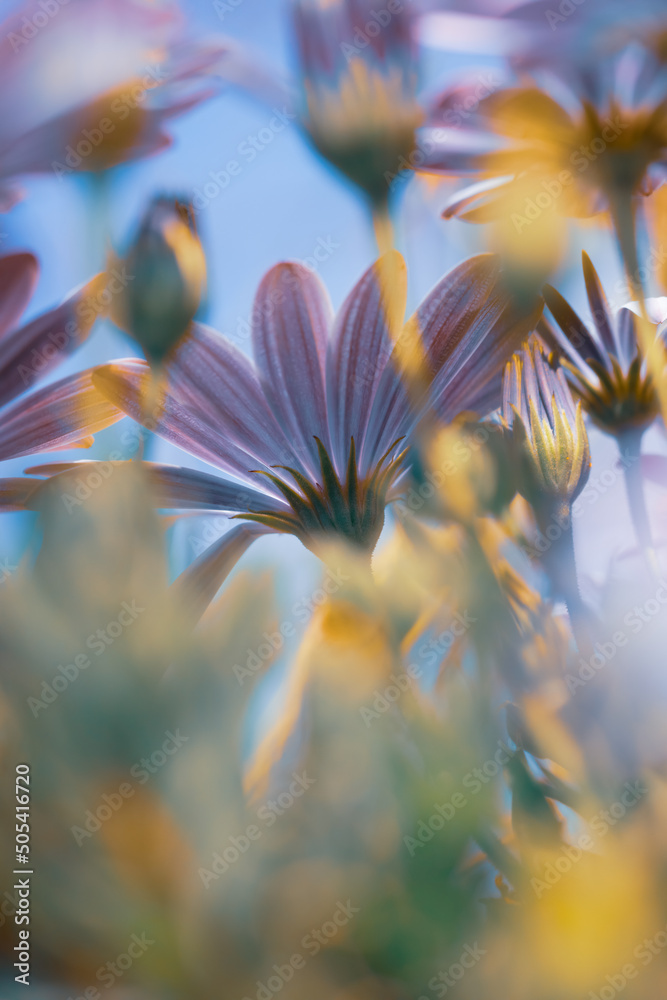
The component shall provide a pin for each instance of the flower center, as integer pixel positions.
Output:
(352, 508)
(623, 400)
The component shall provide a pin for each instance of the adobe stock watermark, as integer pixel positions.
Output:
(636, 619)
(446, 979)
(474, 781)
(247, 152)
(648, 950)
(436, 648)
(301, 611)
(267, 814)
(553, 187)
(455, 116)
(97, 473)
(620, 293)
(383, 700)
(566, 8)
(6, 570)
(365, 33)
(141, 772)
(600, 824)
(457, 456)
(324, 248)
(120, 109)
(108, 974)
(43, 12)
(225, 7)
(312, 943)
(97, 642)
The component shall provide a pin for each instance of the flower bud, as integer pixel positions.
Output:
(548, 428)
(165, 271)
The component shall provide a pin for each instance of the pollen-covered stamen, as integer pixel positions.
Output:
(353, 508)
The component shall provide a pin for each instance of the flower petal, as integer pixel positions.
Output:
(61, 415)
(470, 328)
(200, 582)
(126, 383)
(291, 318)
(188, 488)
(18, 277)
(33, 350)
(361, 346)
(17, 493)
(219, 385)
(573, 327)
(597, 300)
(181, 488)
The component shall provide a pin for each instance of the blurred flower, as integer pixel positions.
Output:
(360, 81)
(604, 366)
(168, 268)
(93, 85)
(543, 155)
(64, 414)
(538, 406)
(475, 468)
(549, 36)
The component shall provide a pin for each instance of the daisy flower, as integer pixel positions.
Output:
(360, 80)
(92, 84)
(316, 432)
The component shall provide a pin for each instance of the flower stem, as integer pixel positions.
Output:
(382, 227)
(561, 566)
(630, 448)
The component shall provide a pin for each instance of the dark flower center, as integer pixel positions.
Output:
(352, 508)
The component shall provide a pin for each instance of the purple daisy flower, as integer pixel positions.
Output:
(93, 85)
(604, 364)
(360, 81)
(316, 432)
(545, 148)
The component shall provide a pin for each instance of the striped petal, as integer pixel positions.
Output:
(62, 415)
(190, 489)
(573, 327)
(127, 384)
(181, 488)
(221, 388)
(597, 300)
(470, 328)
(29, 353)
(476, 382)
(291, 318)
(18, 277)
(627, 336)
(200, 582)
(361, 346)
